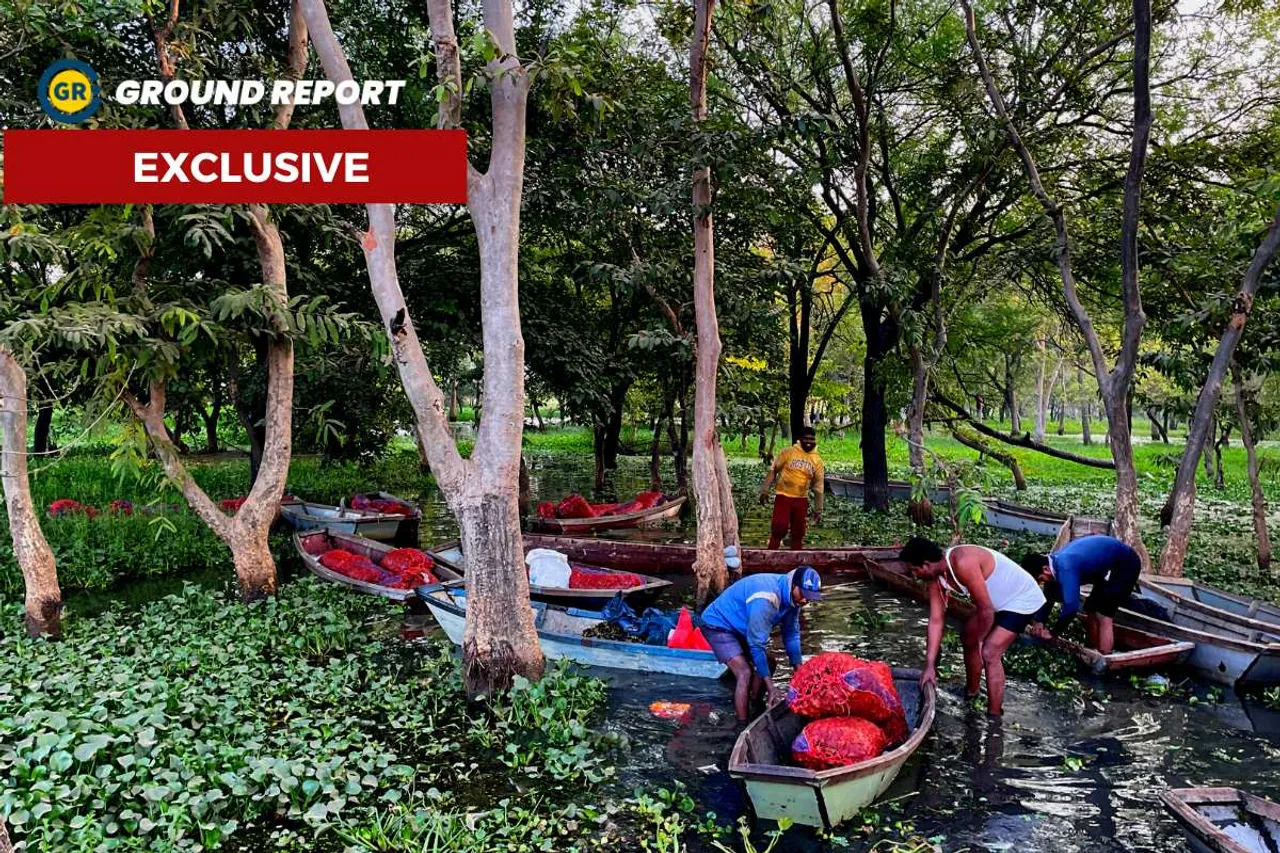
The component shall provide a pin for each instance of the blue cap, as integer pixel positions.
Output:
(809, 582)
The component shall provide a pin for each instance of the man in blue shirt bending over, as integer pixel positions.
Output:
(738, 623)
(1104, 561)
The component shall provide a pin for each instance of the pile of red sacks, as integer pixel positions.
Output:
(65, 506)
(586, 577)
(370, 503)
(403, 568)
(855, 708)
(576, 506)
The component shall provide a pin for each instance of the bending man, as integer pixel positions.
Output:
(738, 623)
(1104, 561)
(1005, 600)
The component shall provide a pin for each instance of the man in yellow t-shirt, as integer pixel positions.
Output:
(797, 470)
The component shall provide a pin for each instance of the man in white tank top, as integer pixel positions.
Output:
(1005, 600)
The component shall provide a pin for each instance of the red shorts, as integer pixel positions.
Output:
(790, 515)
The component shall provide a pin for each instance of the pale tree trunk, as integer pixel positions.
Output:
(499, 641)
(1086, 410)
(1260, 533)
(1114, 384)
(1183, 496)
(716, 517)
(1041, 396)
(915, 412)
(43, 596)
(247, 532)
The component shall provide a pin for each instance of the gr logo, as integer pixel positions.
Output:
(69, 91)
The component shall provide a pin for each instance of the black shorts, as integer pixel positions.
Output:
(1015, 622)
(1110, 595)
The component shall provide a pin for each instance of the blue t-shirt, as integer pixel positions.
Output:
(751, 608)
(1088, 560)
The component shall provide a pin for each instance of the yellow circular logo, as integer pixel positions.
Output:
(69, 91)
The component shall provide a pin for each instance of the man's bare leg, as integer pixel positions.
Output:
(993, 649)
(972, 670)
(741, 670)
(1106, 631)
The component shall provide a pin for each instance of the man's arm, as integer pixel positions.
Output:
(819, 491)
(791, 636)
(1069, 582)
(759, 625)
(774, 469)
(937, 624)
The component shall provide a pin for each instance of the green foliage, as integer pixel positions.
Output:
(187, 722)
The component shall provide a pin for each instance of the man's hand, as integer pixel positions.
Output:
(928, 675)
(764, 498)
(1039, 631)
(817, 516)
(772, 696)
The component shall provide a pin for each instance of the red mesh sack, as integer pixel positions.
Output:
(647, 500)
(584, 577)
(834, 684)
(336, 559)
(64, 506)
(361, 502)
(837, 742)
(121, 507)
(546, 509)
(410, 580)
(574, 506)
(403, 561)
(598, 510)
(392, 507)
(91, 511)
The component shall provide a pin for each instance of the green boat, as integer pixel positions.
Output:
(779, 789)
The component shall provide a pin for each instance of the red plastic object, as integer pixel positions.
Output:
(837, 742)
(547, 509)
(64, 506)
(686, 636)
(574, 506)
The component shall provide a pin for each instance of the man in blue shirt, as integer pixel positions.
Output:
(738, 623)
(1104, 561)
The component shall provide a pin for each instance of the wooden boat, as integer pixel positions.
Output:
(560, 636)
(1135, 648)
(1225, 652)
(658, 559)
(1225, 820)
(1202, 598)
(311, 544)
(390, 527)
(450, 554)
(619, 521)
(778, 789)
(1001, 514)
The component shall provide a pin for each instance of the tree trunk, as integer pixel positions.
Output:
(714, 505)
(875, 414)
(496, 645)
(43, 596)
(1005, 458)
(655, 452)
(211, 418)
(256, 434)
(915, 412)
(1224, 439)
(499, 640)
(453, 401)
(1011, 393)
(1127, 518)
(1260, 533)
(1086, 410)
(1182, 499)
(525, 502)
(597, 453)
(1041, 392)
(1157, 428)
(679, 442)
(537, 414)
(798, 384)
(42, 440)
(424, 460)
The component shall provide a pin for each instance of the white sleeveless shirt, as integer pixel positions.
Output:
(1009, 587)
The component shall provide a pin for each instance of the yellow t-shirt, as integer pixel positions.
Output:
(798, 471)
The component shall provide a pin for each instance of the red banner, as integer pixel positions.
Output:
(235, 166)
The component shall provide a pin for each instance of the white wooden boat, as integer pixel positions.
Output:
(1225, 820)
(450, 554)
(779, 789)
(312, 544)
(1224, 652)
(1202, 598)
(390, 527)
(617, 521)
(560, 636)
